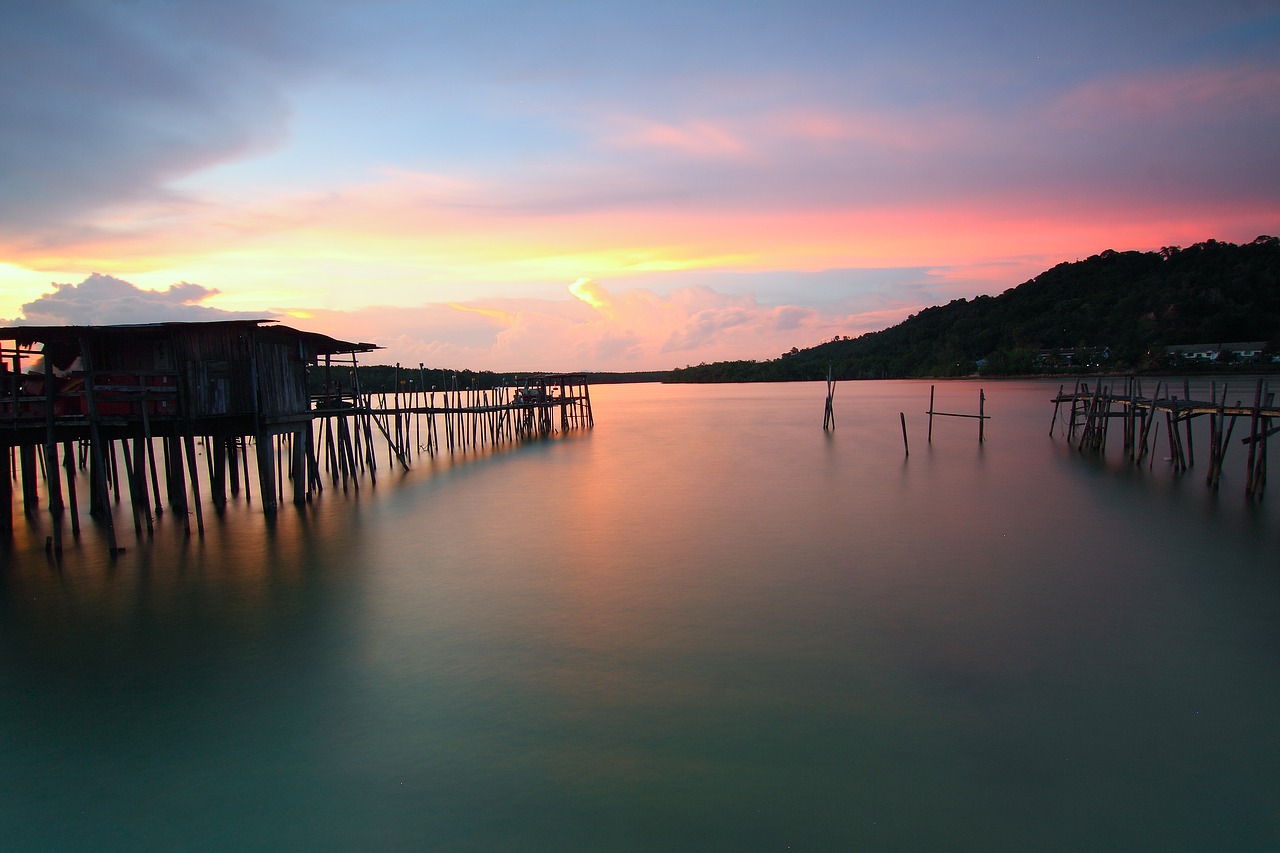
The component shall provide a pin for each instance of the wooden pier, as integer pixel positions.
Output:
(1093, 410)
(130, 404)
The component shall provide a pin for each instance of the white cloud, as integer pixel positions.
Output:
(104, 300)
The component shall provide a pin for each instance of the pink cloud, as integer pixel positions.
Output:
(880, 129)
(633, 329)
(700, 137)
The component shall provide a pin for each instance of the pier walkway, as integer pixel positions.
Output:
(131, 404)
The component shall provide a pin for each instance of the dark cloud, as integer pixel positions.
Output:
(104, 300)
(103, 104)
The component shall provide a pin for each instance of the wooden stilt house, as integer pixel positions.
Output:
(225, 380)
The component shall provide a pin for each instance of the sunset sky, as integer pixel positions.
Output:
(611, 186)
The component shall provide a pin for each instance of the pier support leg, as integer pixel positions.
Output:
(218, 479)
(266, 471)
(174, 476)
(69, 462)
(233, 466)
(298, 465)
(30, 487)
(190, 441)
(1253, 441)
(6, 495)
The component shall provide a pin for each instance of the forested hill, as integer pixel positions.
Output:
(1129, 305)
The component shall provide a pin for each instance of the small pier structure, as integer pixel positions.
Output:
(129, 405)
(1091, 412)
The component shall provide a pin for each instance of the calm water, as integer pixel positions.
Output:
(705, 625)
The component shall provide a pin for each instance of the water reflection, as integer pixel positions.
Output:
(705, 623)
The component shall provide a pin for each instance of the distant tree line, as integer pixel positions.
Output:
(1115, 311)
(382, 378)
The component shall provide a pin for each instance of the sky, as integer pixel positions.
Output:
(606, 185)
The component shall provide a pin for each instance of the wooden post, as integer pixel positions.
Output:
(190, 441)
(982, 420)
(30, 490)
(233, 465)
(218, 479)
(1191, 448)
(298, 466)
(829, 415)
(1253, 441)
(1148, 422)
(52, 476)
(6, 493)
(136, 469)
(69, 463)
(313, 464)
(395, 397)
(1215, 441)
(133, 490)
(95, 432)
(906, 449)
(1075, 407)
(1260, 478)
(176, 480)
(266, 482)
(930, 441)
(1057, 401)
(151, 459)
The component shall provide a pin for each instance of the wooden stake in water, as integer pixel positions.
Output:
(829, 416)
(931, 414)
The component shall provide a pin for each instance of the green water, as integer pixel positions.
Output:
(704, 625)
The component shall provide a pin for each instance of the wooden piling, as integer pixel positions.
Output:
(190, 441)
(218, 479)
(1254, 419)
(829, 414)
(930, 438)
(266, 482)
(69, 464)
(1190, 443)
(1056, 403)
(99, 491)
(298, 464)
(6, 491)
(30, 481)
